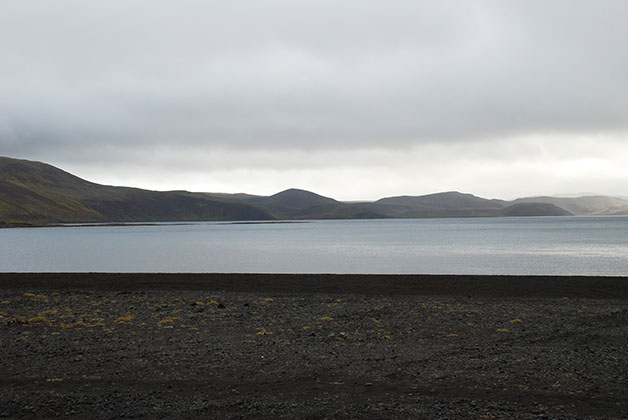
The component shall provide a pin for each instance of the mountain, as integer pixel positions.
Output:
(300, 204)
(446, 204)
(533, 209)
(35, 192)
(295, 200)
(587, 205)
(621, 210)
(38, 193)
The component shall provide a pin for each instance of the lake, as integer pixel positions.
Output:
(541, 245)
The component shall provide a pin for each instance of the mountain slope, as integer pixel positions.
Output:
(579, 205)
(447, 204)
(533, 209)
(614, 211)
(35, 192)
(295, 203)
(296, 199)
(38, 193)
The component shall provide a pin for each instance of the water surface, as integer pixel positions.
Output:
(544, 245)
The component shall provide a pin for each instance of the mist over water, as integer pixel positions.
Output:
(557, 245)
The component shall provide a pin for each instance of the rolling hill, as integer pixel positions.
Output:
(38, 193)
(446, 204)
(295, 203)
(34, 192)
(533, 209)
(587, 205)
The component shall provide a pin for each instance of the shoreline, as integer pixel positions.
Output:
(26, 225)
(612, 287)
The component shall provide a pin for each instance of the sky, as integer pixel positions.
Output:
(352, 99)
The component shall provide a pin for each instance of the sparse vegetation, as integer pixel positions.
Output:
(168, 321)
(127, 319)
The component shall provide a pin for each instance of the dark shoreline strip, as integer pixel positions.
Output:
(367, 284)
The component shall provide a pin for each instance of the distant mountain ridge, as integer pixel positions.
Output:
(38, 193)
(445, 204)
(533, 209)
(34, 192)
(587, 205)
(294, 203)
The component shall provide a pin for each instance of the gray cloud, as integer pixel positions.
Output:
(113, 81)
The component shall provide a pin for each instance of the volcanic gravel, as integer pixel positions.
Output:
(200, 353)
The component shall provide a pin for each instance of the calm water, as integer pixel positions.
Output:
(570, 245)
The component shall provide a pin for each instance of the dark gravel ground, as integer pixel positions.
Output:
(154, 352)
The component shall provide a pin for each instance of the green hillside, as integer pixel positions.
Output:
(34, 192)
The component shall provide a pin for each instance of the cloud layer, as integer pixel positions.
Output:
(346, 97)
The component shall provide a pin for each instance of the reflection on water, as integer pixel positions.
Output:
(563, 245)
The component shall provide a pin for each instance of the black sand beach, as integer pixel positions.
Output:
(312, 346)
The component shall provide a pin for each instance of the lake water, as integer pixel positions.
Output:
(552, 245)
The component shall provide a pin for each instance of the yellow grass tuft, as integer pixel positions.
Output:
(516, 321)
(503, 330)
(262, 331)
(83, 324)
(168, 321)
(125, 319)
(36, 320)
(48, 312)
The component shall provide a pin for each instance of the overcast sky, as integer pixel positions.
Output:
(353, 99)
